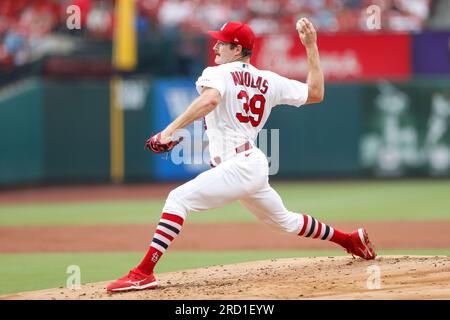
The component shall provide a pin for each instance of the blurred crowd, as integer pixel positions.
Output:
(23, 23)
(271, 16)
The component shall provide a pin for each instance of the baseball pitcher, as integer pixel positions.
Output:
(235, 100)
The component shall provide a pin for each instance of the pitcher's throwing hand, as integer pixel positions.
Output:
(306, 32)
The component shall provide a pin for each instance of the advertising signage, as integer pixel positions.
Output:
(344, 57)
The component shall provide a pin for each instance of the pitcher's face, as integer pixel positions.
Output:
(224, 53)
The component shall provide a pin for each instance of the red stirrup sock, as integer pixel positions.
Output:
(313, 228)
(167, 230)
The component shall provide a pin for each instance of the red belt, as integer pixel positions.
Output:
(246, 146)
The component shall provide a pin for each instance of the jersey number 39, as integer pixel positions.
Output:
(253, 108)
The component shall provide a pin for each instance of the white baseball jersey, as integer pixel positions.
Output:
(248, 96)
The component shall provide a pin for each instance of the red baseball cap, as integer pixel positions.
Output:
(235, 32)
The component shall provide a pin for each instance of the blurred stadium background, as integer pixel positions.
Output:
(77, 105)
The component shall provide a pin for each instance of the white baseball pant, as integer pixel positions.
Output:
(244, 177)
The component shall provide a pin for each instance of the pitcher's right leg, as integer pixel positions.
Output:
(267, 205)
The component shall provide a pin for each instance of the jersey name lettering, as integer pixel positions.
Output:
(244, 78)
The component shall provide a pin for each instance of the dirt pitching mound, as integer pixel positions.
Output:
(400, 277)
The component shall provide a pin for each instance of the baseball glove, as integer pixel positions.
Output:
(154, 144)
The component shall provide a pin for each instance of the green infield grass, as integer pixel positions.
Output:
(27, 272)
(329, 201)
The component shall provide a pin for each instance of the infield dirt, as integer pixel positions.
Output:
(401, 277)
(245, 236)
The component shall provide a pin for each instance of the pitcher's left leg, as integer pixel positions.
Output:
(210, 189)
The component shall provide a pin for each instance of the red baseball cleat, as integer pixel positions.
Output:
(134, 280)
(360, 245)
